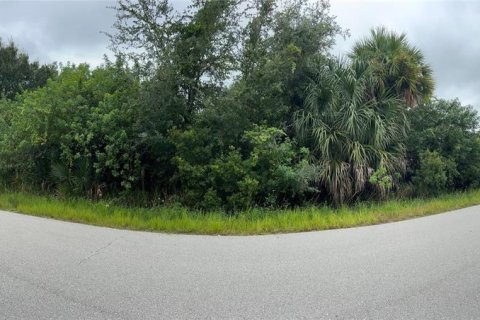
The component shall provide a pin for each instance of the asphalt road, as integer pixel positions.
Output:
(427, 268)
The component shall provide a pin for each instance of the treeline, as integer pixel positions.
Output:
(232, 104)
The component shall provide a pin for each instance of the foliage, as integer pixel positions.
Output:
(17, 73)
(281, 168)
(397, 66)
(349, 133)
(232, 105)
(431, 178)
(199, 49)
(270, 173)
(284, 44)
(382, 181)
(451, 130)
(82, 116)
(195, 47)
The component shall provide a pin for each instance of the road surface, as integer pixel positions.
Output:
(426, 268)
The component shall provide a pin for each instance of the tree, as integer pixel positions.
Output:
(396, 65)
(451, 130)
(284, 44)
(196, 47)
(350, 134)
(17, 73)
(268, 45)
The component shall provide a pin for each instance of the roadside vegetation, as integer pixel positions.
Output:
(234, 117)
(179, 219)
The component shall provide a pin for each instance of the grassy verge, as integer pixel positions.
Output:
(257, 221)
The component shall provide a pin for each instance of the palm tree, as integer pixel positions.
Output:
(350, 134)
(397, 65)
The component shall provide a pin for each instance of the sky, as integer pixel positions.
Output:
(447, 32)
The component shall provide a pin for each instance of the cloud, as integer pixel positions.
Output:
(446, 31)
(58, 31)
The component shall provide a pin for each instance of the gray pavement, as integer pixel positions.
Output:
(426, 268)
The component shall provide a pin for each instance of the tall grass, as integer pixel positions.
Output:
(256, 221)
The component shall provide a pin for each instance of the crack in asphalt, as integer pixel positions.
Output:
(97, 251)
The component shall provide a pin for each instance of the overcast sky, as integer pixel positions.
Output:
(448, 33)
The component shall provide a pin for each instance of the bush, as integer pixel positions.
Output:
(282, 170)
(267, 171)
(382, 182)
(77, 134)
(451, 130)
(432, 178)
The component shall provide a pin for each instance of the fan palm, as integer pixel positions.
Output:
(397, 65)
(350, 133)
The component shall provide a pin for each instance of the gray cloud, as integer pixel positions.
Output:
(446, 31)
(58, 30)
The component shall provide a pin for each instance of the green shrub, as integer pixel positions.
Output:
(433, 175)
(451, 130)
(267, 171)
(382, 181)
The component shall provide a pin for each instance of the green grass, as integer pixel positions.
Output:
(257, 221)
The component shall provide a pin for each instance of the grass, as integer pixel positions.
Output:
(256, 221)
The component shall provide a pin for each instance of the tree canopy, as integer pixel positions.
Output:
(397, 65)
(17, 73)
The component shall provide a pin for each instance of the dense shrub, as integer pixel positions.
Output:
(267, 170)
(451, 130)
(83, 119)
(432, 177)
